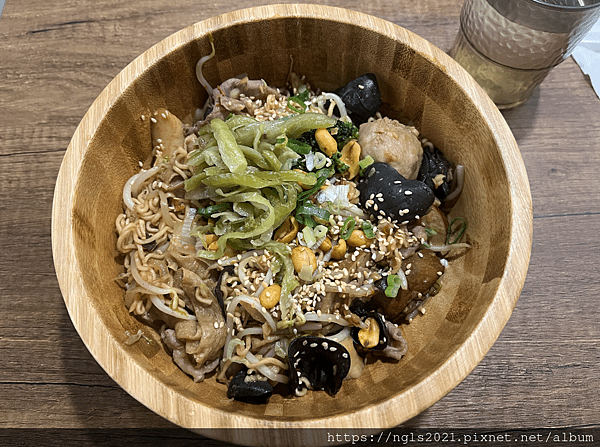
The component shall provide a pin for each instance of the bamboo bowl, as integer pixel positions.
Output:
(330, 46)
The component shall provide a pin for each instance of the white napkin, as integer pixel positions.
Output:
(587, 56)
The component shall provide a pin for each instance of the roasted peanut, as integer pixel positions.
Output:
(339, 251)
(210, 238)
(326, 244)
(369, 337)
(302, 256)
(351, 156)
(270, 296)
(287, 231)
(358, 239)
(213, 246)
(326, 142)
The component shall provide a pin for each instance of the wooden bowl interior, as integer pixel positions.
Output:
(329, 53)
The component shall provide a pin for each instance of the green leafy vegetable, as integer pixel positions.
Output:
(298, 146)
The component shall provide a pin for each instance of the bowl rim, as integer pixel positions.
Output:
(193, 414)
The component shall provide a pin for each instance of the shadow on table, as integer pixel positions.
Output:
(522, 119)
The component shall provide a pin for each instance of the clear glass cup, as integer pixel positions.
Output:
(510, 46)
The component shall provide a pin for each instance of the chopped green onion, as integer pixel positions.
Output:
(212, 209)
(309, 236)
(308, 214)
(347, 228)
(430, 231)
(459, 233)
(320, 160)
(364, 164)
(297, 103)
(320, 231)
(368, 229)
(322, 176)
(393, 286)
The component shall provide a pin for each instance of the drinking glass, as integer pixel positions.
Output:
(510, 46)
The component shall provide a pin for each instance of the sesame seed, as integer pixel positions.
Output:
(407, 193)
(153, 120)
(398, 182)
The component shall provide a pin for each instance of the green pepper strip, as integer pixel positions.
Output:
(231, 154)
(293, 127)
(254, 156)
(261, 225)
(259, 179)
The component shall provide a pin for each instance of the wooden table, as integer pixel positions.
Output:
(57, 56)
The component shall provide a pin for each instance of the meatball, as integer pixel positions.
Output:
(391, 142)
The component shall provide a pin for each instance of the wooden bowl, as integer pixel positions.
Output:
(330, 46)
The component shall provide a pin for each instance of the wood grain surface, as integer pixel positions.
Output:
(55, 59)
